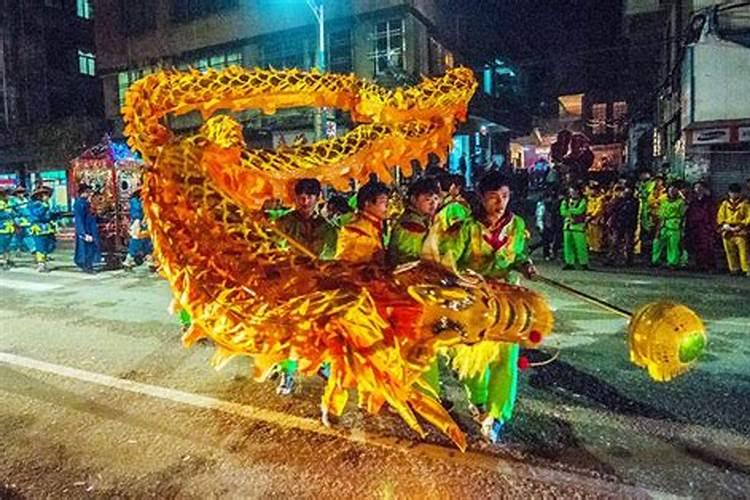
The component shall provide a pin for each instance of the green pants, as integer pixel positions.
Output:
(496, 387)
(669, 239)
(432, 375)
(575, 247)
(288, 366)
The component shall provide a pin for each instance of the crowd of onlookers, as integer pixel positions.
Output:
(624, 220)
(669, 223)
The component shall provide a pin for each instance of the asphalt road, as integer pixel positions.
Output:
(98, 399)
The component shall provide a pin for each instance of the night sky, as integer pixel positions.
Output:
(540, 35)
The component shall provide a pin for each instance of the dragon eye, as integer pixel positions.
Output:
(459, 304)
(445, 324)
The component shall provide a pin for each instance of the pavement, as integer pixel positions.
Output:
(98, 399)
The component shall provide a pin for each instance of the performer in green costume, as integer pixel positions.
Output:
(306, 226)
(575, 246)
(454, 207)
(493, 243)
(670, 225)
(412, 226)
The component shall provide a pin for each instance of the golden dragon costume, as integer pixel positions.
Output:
(378, 329)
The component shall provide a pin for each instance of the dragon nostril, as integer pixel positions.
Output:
(535, 336)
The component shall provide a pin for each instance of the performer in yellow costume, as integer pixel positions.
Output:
(733, 219)
(364, 239)
(595, 224)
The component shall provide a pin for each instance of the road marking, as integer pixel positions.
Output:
(27, 285)
(505, 467)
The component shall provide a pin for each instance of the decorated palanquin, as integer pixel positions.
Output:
(113, 172)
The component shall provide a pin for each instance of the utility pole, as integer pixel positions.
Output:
(318, 10)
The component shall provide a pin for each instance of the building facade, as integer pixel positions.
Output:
(47, 79)
(701, 111)
(390, 41)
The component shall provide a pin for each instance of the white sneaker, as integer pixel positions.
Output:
(128, 263)
(492, 429)
(286, 384)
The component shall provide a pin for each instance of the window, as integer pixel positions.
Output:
(83, 9)
(86, 63)
(223, 61)
(126, 78)
(571, 106)
(340, 51)
(657, 142)
(619, 113)
(288, 52)
(185, 10)
(599, 118)
(388, 45)
(216, 61)
(437, 55)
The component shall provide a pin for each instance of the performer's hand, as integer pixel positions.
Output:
(88, 238)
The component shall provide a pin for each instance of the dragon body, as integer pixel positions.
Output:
(378, 329)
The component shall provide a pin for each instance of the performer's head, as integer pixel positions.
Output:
(494, 191)
(424, 195)
(306, 194)
(372, 199)
(700, 189)
(574, 192)
(735, 191)
(41, 193)
(452, 184)
(337, 206)
(84, 191)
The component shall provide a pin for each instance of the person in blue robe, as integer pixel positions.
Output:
(88, 245)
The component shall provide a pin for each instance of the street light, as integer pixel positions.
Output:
(319, 12)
